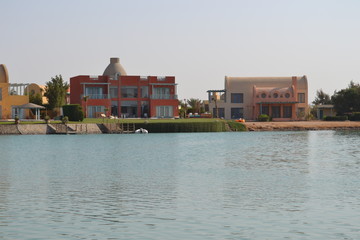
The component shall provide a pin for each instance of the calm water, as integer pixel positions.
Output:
(258, 185)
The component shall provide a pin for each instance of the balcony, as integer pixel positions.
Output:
(96, 96)
(164, 96)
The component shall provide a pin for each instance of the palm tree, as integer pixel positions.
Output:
(183, 107)
(85, 98)
(195, 105)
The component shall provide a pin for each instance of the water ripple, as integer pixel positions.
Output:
(260, 185)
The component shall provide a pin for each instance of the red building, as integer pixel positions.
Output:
(117, 94)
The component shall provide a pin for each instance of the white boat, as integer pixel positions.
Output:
(141, 130)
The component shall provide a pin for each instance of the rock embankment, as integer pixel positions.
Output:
(302, 126)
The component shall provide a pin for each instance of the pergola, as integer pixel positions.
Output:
(32, 106)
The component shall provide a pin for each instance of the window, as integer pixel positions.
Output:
(129, 109)
(237, 113)
(301, 97)
(161, 93)
(164, 111)
(220, 113)
(287, 111)
(129, 92)
(265, 110)
(263, 95)
(275, 110)
(237, 98)
(144, 91)
(275, 95)
(114, 108)
(145, 109)
(94, 92)
(287, 95)
(113, 92)
(94, 111)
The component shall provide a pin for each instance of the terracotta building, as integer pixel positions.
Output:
(282, 98)
(120, 95)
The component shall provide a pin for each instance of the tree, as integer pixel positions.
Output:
(322, 98)
(35, 98)
(195, 105)
(347, 100)
(85, 98)
(183, 108)
(55, 91)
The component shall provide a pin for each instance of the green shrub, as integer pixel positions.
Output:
(236, 126)
(47, 119)
(355, 116)
(74, 112)
(17, 120)
(336, 118)
(263, 118)
(65, 120)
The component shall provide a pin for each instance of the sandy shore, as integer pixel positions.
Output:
(302, 125)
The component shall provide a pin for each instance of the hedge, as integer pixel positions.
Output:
(173, 127)
(355, 116)
(263, 118)
(73, 112)
(336, 118)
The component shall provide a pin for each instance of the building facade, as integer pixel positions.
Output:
(282, 98)
(36, 89)
(117, 94)
(11, 97)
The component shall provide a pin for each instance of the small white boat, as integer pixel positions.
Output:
(141, 130)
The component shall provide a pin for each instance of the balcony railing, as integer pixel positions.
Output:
(164, 96)
(96, 96)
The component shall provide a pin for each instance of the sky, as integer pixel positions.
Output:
(197, 41)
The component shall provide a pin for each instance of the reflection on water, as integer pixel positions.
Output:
(259, 185)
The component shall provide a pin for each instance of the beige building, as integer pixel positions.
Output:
(282, 98)
(326, 110)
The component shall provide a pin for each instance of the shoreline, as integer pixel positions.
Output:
(111, 128)
(302, 126)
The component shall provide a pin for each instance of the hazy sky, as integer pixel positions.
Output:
(197, 41)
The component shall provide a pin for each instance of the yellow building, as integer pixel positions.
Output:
(35, 89)
(11, 97)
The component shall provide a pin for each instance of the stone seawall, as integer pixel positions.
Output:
(9, 129)
(93, 128)
(32, 129)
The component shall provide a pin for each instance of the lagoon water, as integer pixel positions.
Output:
(249, 185)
